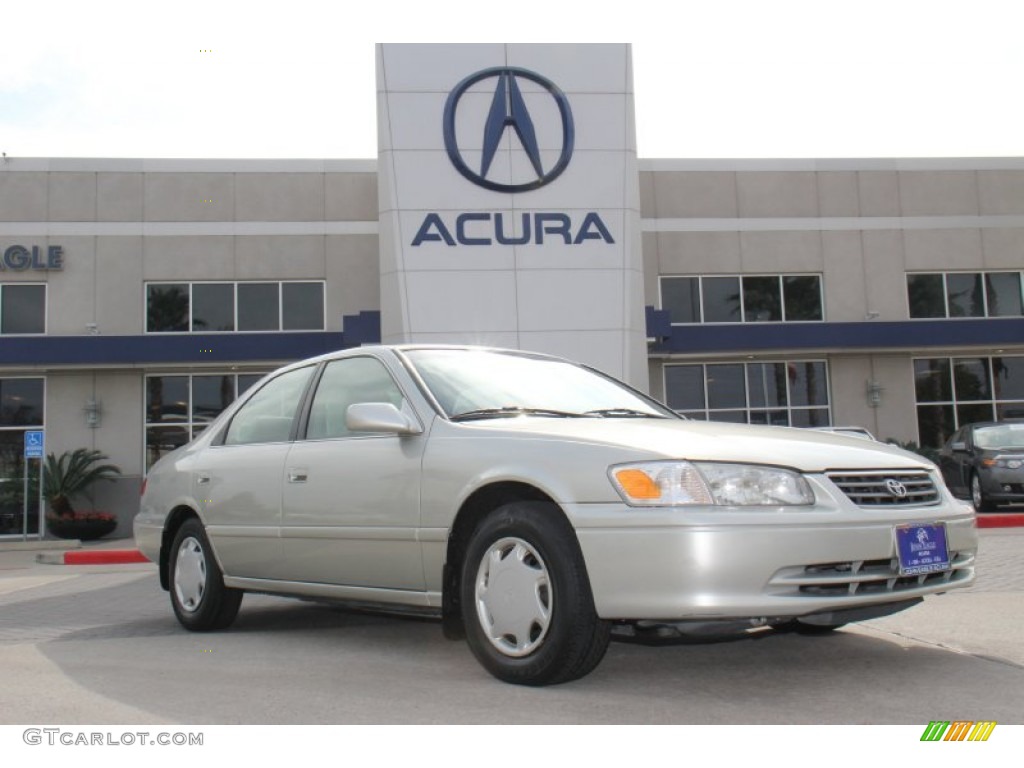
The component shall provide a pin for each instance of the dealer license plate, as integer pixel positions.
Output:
(922, 549)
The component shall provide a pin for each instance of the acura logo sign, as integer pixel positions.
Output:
(508, 111)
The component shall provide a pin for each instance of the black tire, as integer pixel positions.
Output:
(981, 502)
(532, 552)
(200, 600)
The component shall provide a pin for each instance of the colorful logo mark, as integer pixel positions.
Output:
(958, 730)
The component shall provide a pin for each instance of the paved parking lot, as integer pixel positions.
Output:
(99, 644)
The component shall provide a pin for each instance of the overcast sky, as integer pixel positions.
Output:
(715, 78)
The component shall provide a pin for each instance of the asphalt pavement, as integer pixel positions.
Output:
(99, 644)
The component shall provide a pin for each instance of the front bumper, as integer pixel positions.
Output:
(703, 564)
(1003, 485)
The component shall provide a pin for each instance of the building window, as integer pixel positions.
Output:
(954, 391)
(793, 393)
(965, 294)
(180, 406)
(21, 409)
(226, 307)
(742, 299)
(22, 308)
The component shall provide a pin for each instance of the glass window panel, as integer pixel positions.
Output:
(684, 387)
(21, 403)
(972, 412)
(267, 416)
(302, 307)
(767, 385)
(12, 487)
(23, 309)
(1009, 377)
(762, 299)
(802, 295)
(162, 440)
(1003, 292)
(345, 383)
(932, 380)
(934, 424)
(926, 294)
(213, 307)
(166, 399)
(721, 299)
(210, 396)
(258, 307)
(1009, 411)
(733, 417)
(810, 417)
(681, 297)
(726, 386)
(808, 384)
(971, 379)
(246, 380)
(774, 418)
(966, 298)
(167, 308)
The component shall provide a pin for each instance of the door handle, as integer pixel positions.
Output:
(297, 475)
(202, 479)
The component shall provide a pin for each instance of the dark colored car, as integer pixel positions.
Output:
(985, 463)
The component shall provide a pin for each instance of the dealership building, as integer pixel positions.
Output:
(507, 206)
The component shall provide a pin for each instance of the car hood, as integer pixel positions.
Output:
(800, 449)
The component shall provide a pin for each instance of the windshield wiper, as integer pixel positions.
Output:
(512, 410)
(624, 413)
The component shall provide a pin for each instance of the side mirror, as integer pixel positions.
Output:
(958, 447)
(380, 417)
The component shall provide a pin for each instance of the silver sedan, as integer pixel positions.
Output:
(534, 505)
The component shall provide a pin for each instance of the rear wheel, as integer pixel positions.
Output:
(981, 502)
(527, 605)
(198, 595)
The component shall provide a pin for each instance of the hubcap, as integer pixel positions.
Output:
(190, 574)
(976, 492)
(513, 597)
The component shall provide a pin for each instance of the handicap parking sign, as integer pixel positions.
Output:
(34, 444)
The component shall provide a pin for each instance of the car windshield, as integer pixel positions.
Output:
(1000, 436)
(484, 383)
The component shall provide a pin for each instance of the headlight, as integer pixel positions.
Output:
(684, 483)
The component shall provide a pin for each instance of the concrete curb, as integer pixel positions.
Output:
(92, 557)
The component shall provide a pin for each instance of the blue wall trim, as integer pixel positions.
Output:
(908, 334)
(154, 349)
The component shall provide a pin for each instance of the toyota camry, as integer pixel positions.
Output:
(535, 506)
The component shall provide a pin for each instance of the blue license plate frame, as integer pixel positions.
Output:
(922, 548)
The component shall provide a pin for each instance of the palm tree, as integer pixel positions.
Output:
(71, 474)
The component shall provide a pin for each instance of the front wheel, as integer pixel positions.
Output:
(527, 605)
(198, 595)
(978, 498)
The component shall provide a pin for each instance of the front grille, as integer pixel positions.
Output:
(882, 488)
(859, 578)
